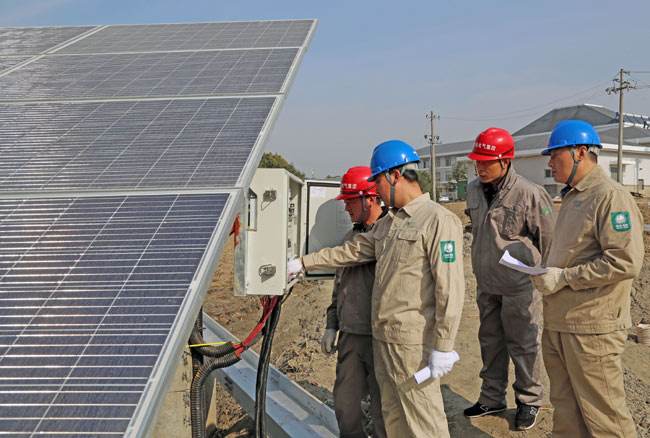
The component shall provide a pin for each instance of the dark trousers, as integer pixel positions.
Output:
(355, 380)
(511, 329)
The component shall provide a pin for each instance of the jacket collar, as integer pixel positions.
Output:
(591, 179)
(416, 204)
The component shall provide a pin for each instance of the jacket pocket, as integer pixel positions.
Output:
(406, 243)
(510, 221)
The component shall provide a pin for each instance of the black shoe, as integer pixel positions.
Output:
(526, 416)
(478, 410)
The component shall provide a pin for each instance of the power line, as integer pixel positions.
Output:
(524, 112)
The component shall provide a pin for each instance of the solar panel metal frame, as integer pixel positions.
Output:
(155, 389)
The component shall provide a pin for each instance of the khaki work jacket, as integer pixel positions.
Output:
(350, 308)
(520, 219)
(419, 285)
(599, 243)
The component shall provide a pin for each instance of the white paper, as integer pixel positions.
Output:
(517, 265)
(422, 375)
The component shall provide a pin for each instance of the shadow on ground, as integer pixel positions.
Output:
(459, 425)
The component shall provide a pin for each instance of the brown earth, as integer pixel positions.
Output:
(296, 351)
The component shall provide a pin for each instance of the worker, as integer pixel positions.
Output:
(508, 213)
(596, 252)
(417, 296)
(349, 317)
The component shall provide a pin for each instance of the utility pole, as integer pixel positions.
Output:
(433, 139)
(620, 85)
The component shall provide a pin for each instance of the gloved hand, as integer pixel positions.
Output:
(551, 282)
(328, 341)
(441, 362)
(294, 268)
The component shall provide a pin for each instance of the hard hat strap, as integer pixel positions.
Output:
(365, 211)
(391, 199)
(574, 169)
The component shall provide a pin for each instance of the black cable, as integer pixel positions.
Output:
(263, 371)
(197, 402)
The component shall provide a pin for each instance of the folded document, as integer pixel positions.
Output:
(518, 265)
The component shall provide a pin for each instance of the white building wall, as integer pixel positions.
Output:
(636, 167)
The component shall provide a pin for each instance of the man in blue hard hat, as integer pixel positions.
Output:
(596, 252)
(417, 296)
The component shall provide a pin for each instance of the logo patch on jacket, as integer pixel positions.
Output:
(620, 220)
(448, 251)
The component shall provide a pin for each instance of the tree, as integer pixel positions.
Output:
(424, 179)
(277, 161)
(459, 172)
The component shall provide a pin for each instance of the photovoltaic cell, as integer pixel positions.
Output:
(150, 75)
(128, 144)
(35, 40)
(196, 36)
(8, 62)
(89, 289)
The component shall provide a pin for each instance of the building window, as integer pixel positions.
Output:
(447, 162)
(547, 173)
(613, 170)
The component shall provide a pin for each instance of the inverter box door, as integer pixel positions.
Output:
(325, 221)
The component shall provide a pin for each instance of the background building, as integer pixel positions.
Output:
(532, 139)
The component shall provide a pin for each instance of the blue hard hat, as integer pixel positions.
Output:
(391, 154)
(569, 133)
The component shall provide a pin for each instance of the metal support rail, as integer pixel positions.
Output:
(291, 411)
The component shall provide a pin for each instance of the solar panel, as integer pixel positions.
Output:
(194, 36)
(121, 174)
(8, 62)
(128, 144)
(35, 40)
(162, 74)
(90, 289)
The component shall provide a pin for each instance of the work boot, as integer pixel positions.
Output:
(478, 410)
(526, 416)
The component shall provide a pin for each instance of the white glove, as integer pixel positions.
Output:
(441, 362)
(551, 282)
(328, 341)
(294, 268)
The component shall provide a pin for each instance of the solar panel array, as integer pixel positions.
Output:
(125, 151)
(161, 74)
(129, 144)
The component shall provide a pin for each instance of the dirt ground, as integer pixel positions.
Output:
(296, 351)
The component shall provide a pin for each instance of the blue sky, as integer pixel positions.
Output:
(376, 67)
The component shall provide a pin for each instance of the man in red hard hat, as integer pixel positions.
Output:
(349, 316)
(508, 213)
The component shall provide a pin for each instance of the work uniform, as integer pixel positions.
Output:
(516, 216)
(599, 243)
(417, 301)
(349, 313)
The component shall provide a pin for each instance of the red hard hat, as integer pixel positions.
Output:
(355, 183)
(493, 144)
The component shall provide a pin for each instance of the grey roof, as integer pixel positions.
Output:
(594, 114)
(535, 134)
